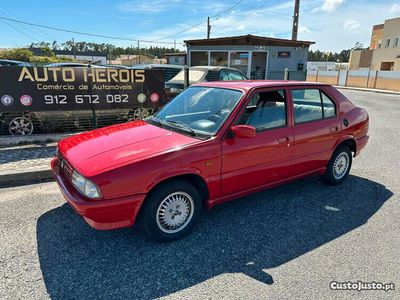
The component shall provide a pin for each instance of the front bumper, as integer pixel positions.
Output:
(99, 214)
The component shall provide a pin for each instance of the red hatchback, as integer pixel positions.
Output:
(214, 142)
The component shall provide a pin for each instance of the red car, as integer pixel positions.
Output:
(214, 142)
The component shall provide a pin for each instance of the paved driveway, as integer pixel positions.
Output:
(288, 242)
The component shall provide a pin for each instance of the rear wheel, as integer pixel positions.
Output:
(171, 210)
(339, 166)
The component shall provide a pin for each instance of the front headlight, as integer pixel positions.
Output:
(85, 186)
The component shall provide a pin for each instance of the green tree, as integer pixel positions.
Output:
(17, 54)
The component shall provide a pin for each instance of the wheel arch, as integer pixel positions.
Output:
(194, 179)
(347, 141)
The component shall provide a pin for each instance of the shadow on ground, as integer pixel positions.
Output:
(248, 235)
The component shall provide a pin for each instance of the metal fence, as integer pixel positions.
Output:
(292, 75)
(25, 123)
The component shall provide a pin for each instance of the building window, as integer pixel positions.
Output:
(199, 58)
(380, 44)
(387, 41)
(396, 41)
(240, 61)
(219, 59)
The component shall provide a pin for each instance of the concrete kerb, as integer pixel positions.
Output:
(45, 138)
(368, 90)
(24, 178)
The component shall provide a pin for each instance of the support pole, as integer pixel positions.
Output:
(295, 20)
(186, 81)
(286, 74)
(208, 27)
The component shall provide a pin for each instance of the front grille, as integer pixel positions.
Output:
(65, 167)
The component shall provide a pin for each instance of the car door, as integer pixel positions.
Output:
(316, 128)
(249, 163)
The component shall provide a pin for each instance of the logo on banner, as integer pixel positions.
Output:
(7, 100)
(26, 100)
(154, 97)
(141, 98)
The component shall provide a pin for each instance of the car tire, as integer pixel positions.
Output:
(339, 166)
(171, 210)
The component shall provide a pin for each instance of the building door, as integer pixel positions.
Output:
(258, 65)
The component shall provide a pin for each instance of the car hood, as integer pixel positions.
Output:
(100, 150)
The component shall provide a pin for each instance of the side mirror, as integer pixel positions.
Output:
(243, 131)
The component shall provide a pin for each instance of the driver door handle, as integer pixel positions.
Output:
(283, 140)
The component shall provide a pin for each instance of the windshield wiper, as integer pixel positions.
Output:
(156, 120)
(182, 125)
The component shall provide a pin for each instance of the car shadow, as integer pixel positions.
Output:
(248, 235)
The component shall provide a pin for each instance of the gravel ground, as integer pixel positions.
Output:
(287, 242)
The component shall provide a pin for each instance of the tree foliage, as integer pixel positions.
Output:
(110, 50)
(17, 54)
(26, 55)
(342, 56)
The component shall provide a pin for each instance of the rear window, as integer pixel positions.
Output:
(194, 75)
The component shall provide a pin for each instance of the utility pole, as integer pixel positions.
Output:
(295, 20)
(208, 27)
(73, 48)
(175, 45)
(138, 48)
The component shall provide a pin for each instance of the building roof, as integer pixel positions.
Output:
(175, 54)
(378, 26)
(248, 40)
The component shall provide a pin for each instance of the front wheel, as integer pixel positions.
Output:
(339, 166)
(171, 210)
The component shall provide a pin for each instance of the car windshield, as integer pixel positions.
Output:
(199, 110)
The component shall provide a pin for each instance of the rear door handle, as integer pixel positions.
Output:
(334, 129)
(283, 140)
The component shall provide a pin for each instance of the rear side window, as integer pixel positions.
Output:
(329, 106)
(311, 105)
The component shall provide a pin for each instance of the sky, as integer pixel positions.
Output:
(333, 24)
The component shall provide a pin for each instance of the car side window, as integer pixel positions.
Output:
(223, 75)
(329, 106)
(265, 110)
(212, 76)
(311, 105)
(226, 75)
(233, 75)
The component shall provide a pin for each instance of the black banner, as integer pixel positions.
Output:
(68, 88)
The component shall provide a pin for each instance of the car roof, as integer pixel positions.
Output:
(246, 85)
(72, 64)
(16, 62)
(212, 68)
(149, 66)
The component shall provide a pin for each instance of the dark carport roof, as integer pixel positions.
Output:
(39, 51)
(248, 40)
